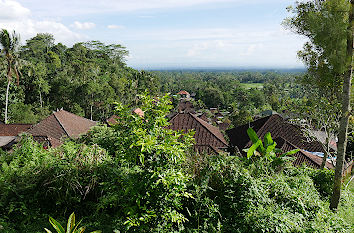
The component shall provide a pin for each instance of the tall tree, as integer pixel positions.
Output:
(328, 56)
(343, 126)
(10, 45)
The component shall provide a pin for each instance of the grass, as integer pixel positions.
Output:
(252, 85)
(346, 208)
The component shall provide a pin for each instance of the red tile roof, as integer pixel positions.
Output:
(183, 93)
(139, 112)
(113, 119)
(205, 134)
(61, 124)
(13, 129)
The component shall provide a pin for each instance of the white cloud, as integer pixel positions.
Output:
(16, 17)
(83, 25)
(113, 26)
(12, 10)
(75, 7)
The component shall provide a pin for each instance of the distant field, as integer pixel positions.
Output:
(252, 85)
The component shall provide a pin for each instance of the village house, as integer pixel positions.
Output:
(184, 95)
(9, 132)
(208, 138)
(51, 131)
(287, 136)
(61, 124)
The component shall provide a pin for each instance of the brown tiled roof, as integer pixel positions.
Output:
(205, 134)
(61, 124)
(204, 117)
(278, 127)
(112, 120)
(48, 141)
(302, 156)
(13, 129)
(185, 106)
(183, 93)
(238, 136)
(206, 149)
(223, 126)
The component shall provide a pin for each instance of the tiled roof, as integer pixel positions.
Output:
(61, 124)
(204, 117)
(183, 93)
(205, 134)
(139, 112)
(185, 106)
(302, 156)
(223, 126)
(276, 125)
(206, 149)
(5, 140)
(112, 120)
(238, 136)
(287, 137)
(13, 129)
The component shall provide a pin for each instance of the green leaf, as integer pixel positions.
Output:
(76, 226)
(252, 135)
(253, 149)
(48, 231)
(291, 152)
(270, 148)
(268, 140)
(56, 225)
(81, 229)
(71, 223)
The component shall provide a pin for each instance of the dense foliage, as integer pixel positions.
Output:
(137, 176)
(85, 79)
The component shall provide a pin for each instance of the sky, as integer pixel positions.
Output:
(167, 33)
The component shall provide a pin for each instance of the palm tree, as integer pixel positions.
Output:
(10, 45)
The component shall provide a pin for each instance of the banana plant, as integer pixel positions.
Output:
(70, 228)
(267, 148)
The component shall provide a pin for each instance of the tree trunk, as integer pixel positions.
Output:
(7, 99)
(40, 99)
(343, 126)
(325, 155)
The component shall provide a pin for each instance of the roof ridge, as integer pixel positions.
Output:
(209, 125)
(263, 126)
(61, 125)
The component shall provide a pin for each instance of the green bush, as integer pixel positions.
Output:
(323, 180)
(283, 201)
(35, 182)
